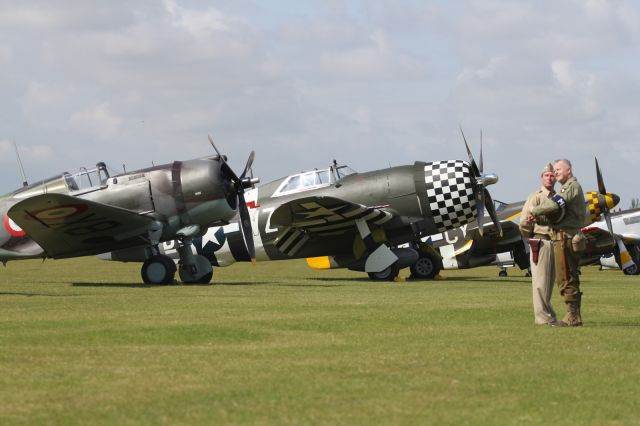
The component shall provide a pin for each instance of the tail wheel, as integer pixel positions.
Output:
(388, 274)
(426, 267)
(158, 269)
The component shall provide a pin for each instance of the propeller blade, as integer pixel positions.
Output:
(245, 225)
(474, 167)
(607, 218)
(249, 163)
(625, 258)
(480, 210)
(601, 187)
(225, 165)
(492, 212)
(214, 147)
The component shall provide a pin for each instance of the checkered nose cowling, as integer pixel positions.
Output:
(450, 193)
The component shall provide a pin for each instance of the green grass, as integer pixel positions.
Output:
(82, 342)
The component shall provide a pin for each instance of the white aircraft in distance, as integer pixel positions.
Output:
(626, 227)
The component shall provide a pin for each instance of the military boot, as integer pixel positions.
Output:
(572, 318)
(578, 321)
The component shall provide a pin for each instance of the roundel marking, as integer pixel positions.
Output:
(13, 227)
(58, 213)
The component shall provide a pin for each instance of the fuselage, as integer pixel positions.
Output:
(179, 194)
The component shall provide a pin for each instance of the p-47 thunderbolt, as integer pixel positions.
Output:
(340, 218)
(91, 212)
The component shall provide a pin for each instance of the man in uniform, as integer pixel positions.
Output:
(566, 214)
(541, 254)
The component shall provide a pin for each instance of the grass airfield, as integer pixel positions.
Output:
(82, 341)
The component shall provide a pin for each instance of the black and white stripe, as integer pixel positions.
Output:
(323, 220)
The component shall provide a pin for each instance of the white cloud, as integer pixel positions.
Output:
(375, 59)
(98, 120)
(200, 24)
(563, 73)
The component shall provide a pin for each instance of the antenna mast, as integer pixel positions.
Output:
(24, 176)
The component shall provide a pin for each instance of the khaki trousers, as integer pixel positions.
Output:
(543, 276)
(567, 275)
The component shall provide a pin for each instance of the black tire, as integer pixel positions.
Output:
(388, 274)
(632, 270)
(158, 269)
(503, 274)
(426, 267)
(187, 277)
(206, 279)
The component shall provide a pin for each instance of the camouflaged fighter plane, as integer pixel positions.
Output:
(615, 233)
(339, 218)
(91, 212)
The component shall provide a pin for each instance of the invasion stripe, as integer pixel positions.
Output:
(299, 245)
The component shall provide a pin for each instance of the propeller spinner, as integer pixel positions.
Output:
(481, 194)
(239, 185)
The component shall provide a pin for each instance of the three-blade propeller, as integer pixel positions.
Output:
(480, 193)
(240, 184)
(625, 258)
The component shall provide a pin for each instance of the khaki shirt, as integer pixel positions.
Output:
(539, 227)
(575, 217)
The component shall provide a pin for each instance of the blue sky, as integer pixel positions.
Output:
(370, 83)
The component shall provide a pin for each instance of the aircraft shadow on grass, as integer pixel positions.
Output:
(148, 286)
(127, 285)
(9, 293)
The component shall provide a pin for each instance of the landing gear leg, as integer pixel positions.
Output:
(194, 269)
(158, 268)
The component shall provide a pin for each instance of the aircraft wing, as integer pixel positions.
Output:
(66, 226)
(599, 238)
(299, 219)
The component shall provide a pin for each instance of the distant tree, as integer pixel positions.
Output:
(635, 203)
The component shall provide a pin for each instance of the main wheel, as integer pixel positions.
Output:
(426, 267)
(503, 273)
(158, 269)
(388, 274)
(202, 273)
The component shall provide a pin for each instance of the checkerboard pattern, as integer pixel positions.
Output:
(593, 201)
(450, 193)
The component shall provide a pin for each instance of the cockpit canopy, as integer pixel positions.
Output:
(87, 179)
(84, 180)
(306, 181)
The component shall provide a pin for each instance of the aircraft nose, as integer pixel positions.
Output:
(450, 196)
(612, 200)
